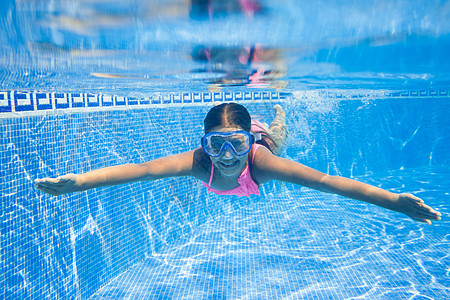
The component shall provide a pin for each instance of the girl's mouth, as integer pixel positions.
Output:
(229, 165)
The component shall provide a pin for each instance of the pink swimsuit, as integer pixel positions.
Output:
(246, 186)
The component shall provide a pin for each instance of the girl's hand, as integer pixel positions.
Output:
(415, 208)
(58, 186)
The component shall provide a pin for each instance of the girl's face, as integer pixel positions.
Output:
(228, 163)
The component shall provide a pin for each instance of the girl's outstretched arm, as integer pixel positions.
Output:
(270, 167)
(170, 166)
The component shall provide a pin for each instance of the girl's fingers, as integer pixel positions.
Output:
(428, 216)
(47, 179)
(428, 211)
(417, 202)
(45, 186)
(423, 208)
(415, 198)
(55, 186)
(431, 212)
(63, 179)
(418, 210)
(423, 220)
(59, 183)
(52, 181)
(427, 221)
(47, 190)
(49, 185)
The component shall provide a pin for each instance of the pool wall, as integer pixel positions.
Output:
(68, 247)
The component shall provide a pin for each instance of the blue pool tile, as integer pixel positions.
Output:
(133, 101)
(187, 97)
(248, 96)
(176, 98)
(107, 100)
(43, 101)
(217, 96)
(156, 100)
(227, 96)
(167, 99)
(145, 101)
(197, 97)
(92, 100)
(120, 101)
(61, 100)
(77, 100)
(5, 102)
(207, 97)
(238, 96)
(190, 243)
(23, 101)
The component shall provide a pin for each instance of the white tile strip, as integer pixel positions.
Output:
(17, 103)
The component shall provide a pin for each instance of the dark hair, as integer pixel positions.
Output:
(228, 115)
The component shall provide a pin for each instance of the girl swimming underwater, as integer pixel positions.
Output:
(236, 156)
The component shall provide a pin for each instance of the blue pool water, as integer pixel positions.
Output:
(85, 85)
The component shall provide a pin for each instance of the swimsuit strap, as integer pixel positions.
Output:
(254, 152)
(212, 173)
(250, 165)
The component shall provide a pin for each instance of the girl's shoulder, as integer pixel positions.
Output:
(201, 164)
(260, 153)
(263, 160)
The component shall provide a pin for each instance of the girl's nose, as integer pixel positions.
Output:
(228, 153)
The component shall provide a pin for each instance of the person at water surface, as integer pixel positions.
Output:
(237, 155)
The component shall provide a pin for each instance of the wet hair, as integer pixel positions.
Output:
(228, 115)
(235, 115)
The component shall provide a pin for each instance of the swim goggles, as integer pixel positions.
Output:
(214, 143)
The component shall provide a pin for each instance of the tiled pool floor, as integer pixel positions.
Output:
(299, 244)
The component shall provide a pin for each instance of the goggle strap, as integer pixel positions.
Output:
(257, 136)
